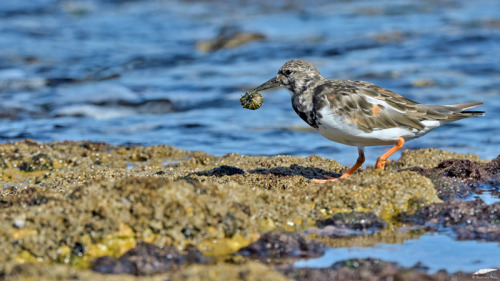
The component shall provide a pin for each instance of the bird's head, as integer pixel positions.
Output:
(294, 75)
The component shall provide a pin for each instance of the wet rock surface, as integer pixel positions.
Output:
(353, 220)
(223, 170)
(367, 270)
(147, 259)
(352, 223)
(279, 244)
(128, 209)
(228, 38)
(461, 177)
(469, 220)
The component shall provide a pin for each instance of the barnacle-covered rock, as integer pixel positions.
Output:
(101, 201)
(252, 100)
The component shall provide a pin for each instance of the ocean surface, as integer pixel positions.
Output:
(129, 72)
(133, 72)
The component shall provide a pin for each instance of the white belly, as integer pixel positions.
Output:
(338, 129)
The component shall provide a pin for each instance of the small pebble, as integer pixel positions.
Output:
(19, 223)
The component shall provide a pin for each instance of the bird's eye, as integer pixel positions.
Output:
(288, 72)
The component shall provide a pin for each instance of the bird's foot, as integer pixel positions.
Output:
(380, 165)
(327, 179)
(383, 159)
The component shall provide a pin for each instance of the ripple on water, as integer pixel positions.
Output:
(433, 251)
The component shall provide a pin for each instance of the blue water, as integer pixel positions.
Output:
(128, 72)
(433, 251)
(128, 52)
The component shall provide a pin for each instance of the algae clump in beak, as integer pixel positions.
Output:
(252, 100)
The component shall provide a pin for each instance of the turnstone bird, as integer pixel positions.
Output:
(359, 113)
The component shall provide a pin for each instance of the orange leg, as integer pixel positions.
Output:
(382, 159)
(359, 162)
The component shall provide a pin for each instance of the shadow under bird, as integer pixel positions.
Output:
(359, 113)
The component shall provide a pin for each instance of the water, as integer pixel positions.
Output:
(433, 251)
(489, 194)
(73, 70)
(128, 72)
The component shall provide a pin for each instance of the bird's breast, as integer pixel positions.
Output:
(304, 107)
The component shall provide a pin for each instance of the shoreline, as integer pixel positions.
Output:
(67, 204)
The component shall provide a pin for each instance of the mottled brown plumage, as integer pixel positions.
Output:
(359, 113)
(350, 98)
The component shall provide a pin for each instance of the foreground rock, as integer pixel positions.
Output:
(248, 271)
(75, 202)
(278, 245)
(352, 223)
(148, 259)
(469, 220)
(458, 176)
(368, 270)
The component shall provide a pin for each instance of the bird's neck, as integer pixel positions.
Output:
(299, 87)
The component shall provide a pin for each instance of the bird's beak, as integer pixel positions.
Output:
(271, 83)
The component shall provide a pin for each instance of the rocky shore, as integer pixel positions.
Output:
(83, 209)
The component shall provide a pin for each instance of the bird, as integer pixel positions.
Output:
(359, 113)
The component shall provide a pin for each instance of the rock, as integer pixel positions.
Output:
(430, 157)
(460, 177)
(354, 220)
(247, 271)
(366, 270)
(252, 100)
(425, 82)
(101, 200)
(243, 271)
(223, 170)
(283, 244)
(228, 38)
(469, 220)
(146, 259)
(19, 223)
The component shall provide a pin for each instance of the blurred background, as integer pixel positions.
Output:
(172, 72)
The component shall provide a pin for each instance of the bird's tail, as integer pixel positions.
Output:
(462, 109)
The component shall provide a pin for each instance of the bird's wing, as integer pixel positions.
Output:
(371, 107)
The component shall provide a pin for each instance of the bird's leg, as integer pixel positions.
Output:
(382, 159)
(359, 162)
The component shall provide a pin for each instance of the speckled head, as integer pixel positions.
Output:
(294, 75)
